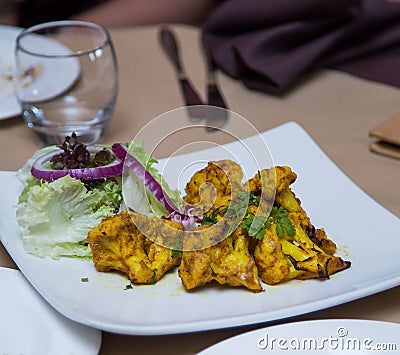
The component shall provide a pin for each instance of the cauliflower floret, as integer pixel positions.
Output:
(213, 185)
(228, 262)
(117, 244)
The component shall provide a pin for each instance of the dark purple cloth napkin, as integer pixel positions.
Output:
(271, 45)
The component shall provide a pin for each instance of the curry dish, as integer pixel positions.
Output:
(251, 232)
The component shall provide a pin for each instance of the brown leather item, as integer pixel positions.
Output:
(387, 149)
(388, 134)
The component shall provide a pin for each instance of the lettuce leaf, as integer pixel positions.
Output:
(136, 195)
(56, 217)
(24, 174)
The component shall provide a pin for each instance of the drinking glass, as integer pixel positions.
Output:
(65, 79)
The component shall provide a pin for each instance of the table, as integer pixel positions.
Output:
(336, 109)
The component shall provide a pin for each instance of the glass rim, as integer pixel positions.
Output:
(65, 23)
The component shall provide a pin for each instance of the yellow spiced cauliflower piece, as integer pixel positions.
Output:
(227, 262)
(117, 244)
(212, 186)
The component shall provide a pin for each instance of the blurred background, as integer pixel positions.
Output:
(26, 13)
(108, 13)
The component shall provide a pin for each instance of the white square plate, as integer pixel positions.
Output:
(325, 336)
(31, 326)
(356, 223)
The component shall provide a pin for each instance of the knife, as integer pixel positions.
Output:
(215, 97)
(216, 118)
(191, 97)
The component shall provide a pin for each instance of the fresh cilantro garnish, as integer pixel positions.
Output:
(212, 217)
(247, 198)
(85, 279)
(257, 222)
(254, 225)
(254, 199)
(237, 209)
(153, 279)
(279, 216)
(176, 252)
(128, 287)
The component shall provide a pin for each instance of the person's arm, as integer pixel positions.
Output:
(118, 13)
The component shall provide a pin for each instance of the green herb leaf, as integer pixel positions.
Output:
(280, 217)
(279, 230)
(288, 225)
(85, 279)
(258, 223)
(212, 218)
(260, 234)
(247, 198)
(176, 252)
(153, 279)
(247, 221)
(254, 199)
(254, 225)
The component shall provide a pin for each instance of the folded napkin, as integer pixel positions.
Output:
(271, 45)
(387, 137)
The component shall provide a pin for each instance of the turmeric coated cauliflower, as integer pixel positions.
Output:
(284, 246)
(213, 185)
(117, 244)
(228, 262)
(308, 253)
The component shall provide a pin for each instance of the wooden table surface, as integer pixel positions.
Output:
(336, 109)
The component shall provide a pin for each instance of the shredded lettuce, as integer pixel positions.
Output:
(56, 217)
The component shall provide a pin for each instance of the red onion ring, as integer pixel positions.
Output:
(38, 171)
(121, 152)
(190, 215)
